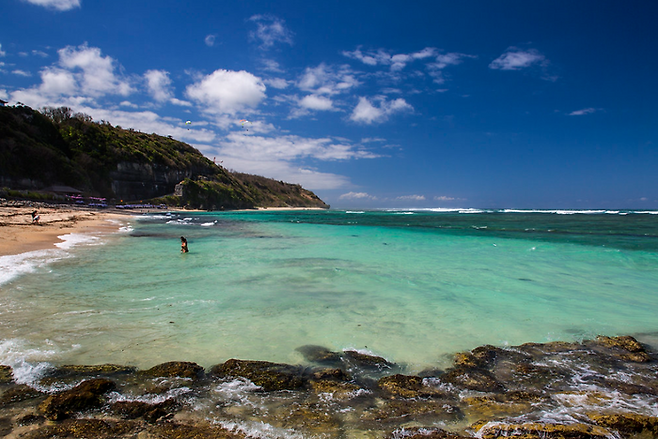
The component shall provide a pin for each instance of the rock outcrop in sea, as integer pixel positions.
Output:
(594, 389)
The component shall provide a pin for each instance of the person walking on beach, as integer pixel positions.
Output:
(35, 217)
(183, 245)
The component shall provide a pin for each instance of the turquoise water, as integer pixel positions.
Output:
(412, 286)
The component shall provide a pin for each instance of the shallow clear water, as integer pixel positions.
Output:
(414, 287)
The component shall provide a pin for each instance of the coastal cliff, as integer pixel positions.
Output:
(41, 151)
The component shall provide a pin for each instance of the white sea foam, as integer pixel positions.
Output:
(354, 211)
(12, 266)
(29, 364)
(73, 239)
(212, 223)
(260, 430)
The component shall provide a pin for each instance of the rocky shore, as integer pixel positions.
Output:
(602, 388)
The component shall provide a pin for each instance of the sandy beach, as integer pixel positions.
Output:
(19, 234)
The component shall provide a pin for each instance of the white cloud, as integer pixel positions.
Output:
(584, 111)
(315, 102)
(3, 94)
(325, 79)
(2, 52)
(411, 198)
(517, 59)
(21, 73)
(270, 30)
(396, 62)
(444, 198)
(367, 113)
(357, 196)
(209, 40)
(97, 75)
(60, 5)
(159, 85)
(227, 92)
(277, 83)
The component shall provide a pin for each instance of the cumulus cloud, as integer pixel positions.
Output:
(315, 102)
(227, 92)
(584, 111)
(270, 30)
(159, 85)
(59, 5)
(517, 59)
(357, 196)
(2, 52)
(367, 113)
(94, 73)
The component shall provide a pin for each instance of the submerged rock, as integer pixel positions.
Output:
(176, 369)
(85, 396)
(319, 354)
(330, 374)
(367, 361)
(269, 376)
(100, 369)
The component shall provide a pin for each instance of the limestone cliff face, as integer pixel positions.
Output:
(142, 181)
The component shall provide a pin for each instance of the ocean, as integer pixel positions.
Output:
(413, 286)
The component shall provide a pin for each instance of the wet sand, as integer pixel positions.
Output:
(19, 234)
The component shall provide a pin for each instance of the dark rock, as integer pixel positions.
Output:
(367, 361)
(412, 409)
(100, 369)
(479, 357)
(330, 374)
(138, 409)
(472, 379)
(423, 433)
(628, 423)
(6, 374)
(29, 419)
(542, 431)
(311, 417)
(339, 390)
(6, 426)
(19, 393)
(176, 369)
(319, 354)
(85, 396)
(406, 386)
(172, 430)
(269, 376)
(85, 429)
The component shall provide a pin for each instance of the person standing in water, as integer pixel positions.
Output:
(183, 245)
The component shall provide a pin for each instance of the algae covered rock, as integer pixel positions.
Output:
(85, 396)
(628, 423)
(176, 369)
(407, 386)
(21, 392)
(269, 376)
(423, 433)
(631, 349)
(542, 431)
(473, 379)
(6, 374)
(144, 410)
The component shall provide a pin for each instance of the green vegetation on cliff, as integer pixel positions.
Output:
(55, 147)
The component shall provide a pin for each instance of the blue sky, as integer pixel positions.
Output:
(508, 104)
